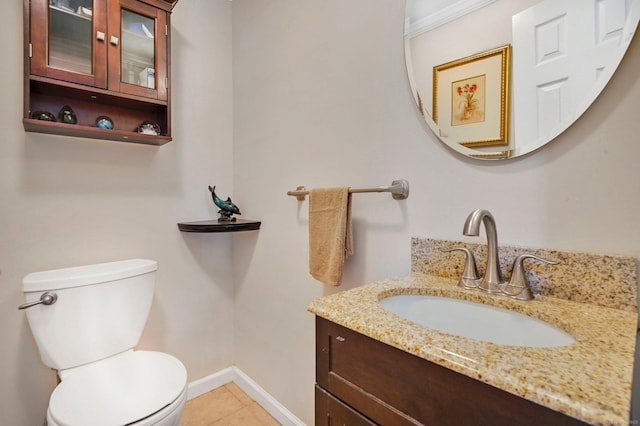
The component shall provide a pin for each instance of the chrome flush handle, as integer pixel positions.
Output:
(46, 298)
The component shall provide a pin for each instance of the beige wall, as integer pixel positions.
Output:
(68, 202)
(320, 98)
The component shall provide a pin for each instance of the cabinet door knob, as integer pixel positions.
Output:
(114, 40)
(340, 339)
(100, 35)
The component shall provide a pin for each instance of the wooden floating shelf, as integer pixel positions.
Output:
(208, 226)
(54, 128)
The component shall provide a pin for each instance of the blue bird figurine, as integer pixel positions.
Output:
(227, 208)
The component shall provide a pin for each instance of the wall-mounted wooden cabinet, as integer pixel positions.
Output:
(101, 58)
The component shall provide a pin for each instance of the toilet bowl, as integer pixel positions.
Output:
(88, 333)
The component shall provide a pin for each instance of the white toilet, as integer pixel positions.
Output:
(88, 333)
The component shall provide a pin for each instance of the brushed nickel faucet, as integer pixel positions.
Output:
(492, 282)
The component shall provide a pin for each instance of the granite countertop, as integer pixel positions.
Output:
(589, 380)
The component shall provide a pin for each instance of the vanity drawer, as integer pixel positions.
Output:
(390, 386)
(331, 411)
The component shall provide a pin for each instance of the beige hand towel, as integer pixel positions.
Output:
(330, 237)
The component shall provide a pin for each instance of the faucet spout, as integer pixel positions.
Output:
(492, 281)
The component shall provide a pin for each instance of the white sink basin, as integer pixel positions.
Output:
(476, 321)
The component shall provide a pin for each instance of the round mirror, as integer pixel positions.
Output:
(499, 79)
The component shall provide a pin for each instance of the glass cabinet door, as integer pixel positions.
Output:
(140, 52)
(68, 40)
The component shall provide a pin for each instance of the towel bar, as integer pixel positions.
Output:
(399, 190)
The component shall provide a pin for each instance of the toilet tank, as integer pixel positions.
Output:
(101, 310)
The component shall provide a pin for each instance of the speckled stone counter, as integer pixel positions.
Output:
(589, 379)
(598, 279)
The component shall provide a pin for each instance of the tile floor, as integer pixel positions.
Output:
(226, 405)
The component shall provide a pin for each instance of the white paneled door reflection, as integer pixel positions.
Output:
(560, 50)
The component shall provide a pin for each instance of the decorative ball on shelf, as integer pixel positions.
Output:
(227, 208)
(43, 115)
(104, 122)
(149, 128)
(67, 115)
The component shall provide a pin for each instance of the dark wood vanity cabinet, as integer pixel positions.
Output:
(101, 58)
(361, 381)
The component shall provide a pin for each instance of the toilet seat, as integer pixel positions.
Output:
(119, 390)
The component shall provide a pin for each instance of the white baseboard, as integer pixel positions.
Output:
(209, 383)
(251, 388)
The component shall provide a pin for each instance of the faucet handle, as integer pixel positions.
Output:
(470, 276)
(518, 286)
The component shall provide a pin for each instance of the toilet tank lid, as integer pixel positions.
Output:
(86, 275)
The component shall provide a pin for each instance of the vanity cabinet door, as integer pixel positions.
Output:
(331, 411)
(391, 387)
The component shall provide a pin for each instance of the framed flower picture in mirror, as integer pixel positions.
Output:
(471, 98)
